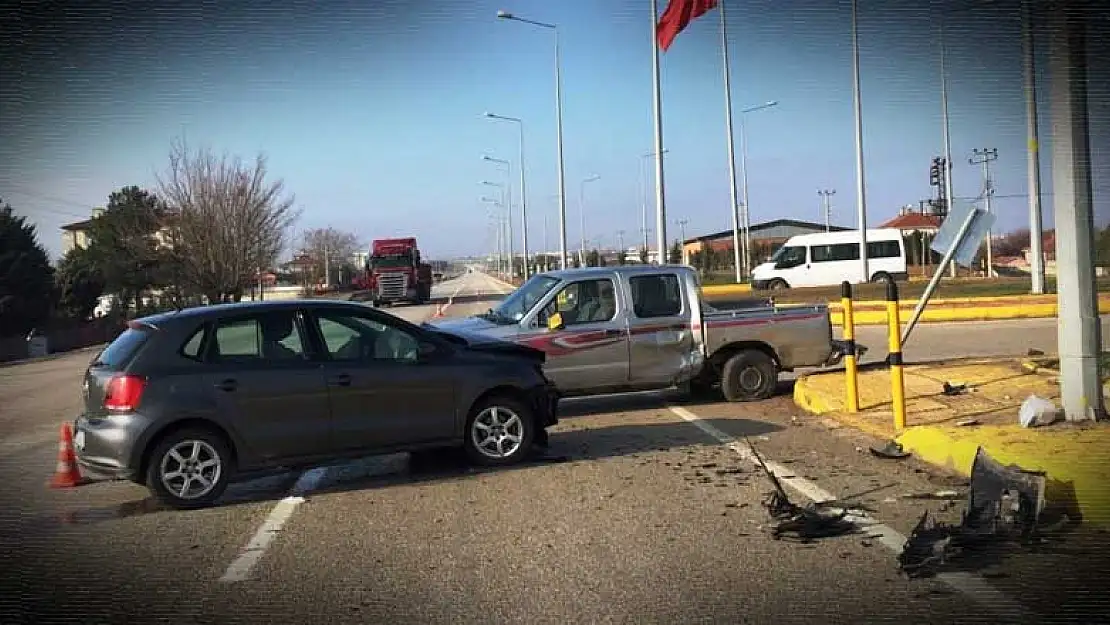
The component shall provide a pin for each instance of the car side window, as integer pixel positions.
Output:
(191, 348)
(656, 296)
(354, 338)
(272, 336)
(585, 301)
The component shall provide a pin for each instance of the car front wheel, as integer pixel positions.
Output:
(189, 468)
(500, 431)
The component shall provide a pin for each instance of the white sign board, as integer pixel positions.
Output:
(976, 233)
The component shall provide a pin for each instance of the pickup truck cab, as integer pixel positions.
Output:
(646, 327)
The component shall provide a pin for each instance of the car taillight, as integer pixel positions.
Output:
(123, 393)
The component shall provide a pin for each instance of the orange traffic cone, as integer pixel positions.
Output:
(66, 475)
(439, 310)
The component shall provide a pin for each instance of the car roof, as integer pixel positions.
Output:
(628, 270)
(237, 308)
(847, 236)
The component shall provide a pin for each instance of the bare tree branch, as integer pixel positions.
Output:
(231, 220)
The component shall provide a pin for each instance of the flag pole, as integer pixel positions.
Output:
(660, 213)
(731, 146)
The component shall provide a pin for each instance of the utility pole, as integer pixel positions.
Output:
(825, 194)
(1033, 158)
(620, 242)
(327, 266)
(682, 230)
(984, 157)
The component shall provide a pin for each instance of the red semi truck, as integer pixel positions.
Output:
(394, 272)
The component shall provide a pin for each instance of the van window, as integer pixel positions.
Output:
(883, 249)
(789, 256)
(837, 252)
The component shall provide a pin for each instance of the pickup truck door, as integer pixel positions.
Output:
(664, 347)
(590, 352)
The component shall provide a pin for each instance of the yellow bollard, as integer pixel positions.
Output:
(894, 347)
(851, 373)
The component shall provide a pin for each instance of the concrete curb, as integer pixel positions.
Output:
(1072, 482)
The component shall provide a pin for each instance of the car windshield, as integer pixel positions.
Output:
(513, 308)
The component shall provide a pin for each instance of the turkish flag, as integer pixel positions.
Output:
(677, 16)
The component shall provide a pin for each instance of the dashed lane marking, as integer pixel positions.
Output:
(973, 586)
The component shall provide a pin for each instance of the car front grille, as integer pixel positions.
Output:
(392, 285)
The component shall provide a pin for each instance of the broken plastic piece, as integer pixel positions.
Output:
(953, 389)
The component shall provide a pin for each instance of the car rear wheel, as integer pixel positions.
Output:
(189, 468)
(500, 431)
(881, 277)
(749, 375)
(778, 284)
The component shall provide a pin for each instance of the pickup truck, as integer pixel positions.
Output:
(646, 327)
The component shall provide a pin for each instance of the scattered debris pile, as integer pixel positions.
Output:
(803, 524)
(1003, 507)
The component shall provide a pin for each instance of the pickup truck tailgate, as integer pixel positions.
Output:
(801, 336)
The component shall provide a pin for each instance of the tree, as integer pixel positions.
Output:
(593, 258)
(123, 245)
(231, 221)
(80, 283)
(26, 278)
(329, 246)
(676, 253)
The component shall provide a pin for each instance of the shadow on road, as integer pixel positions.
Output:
(433, 466)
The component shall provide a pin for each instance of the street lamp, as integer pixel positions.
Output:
(523, 204)
(582, 212)
(508, 190)
(499, 220)
(643, 196)
(861, 192)
(505, 15)
(746, 215)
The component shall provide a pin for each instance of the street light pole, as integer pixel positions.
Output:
(1036, 223)
(948, 197)
(508, 191)
(582, 214)
(523, 201)
(505, 15)
(861, 192)
(746, 214)
(826, 210)
(984, 157)
(735, 212)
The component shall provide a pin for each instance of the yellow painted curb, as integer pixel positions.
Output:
(725, 289)
(1073, 481)
(967, 313)
(1071, 458)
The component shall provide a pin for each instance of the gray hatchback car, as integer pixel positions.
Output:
(186, 402)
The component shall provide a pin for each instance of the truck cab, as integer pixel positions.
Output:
(395, 272)
(636, 328)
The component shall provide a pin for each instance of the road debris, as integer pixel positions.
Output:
(943, 495)
(967, 422)
(1037, 411)
(891, 451)
(1003, 507)
(802, 524)
(953, 389)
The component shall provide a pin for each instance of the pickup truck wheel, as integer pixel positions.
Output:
(749, 375)
(500, 431)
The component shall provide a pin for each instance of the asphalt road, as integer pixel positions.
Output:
(639, 514)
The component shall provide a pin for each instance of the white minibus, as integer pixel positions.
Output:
(829, 258)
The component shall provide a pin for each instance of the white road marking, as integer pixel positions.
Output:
(241, 567)
(973, 586)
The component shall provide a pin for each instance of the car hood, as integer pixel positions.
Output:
(474, 333)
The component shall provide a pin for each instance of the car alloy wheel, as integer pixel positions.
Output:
(497, 432)
(190, 469)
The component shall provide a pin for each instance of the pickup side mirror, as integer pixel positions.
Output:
(555, 322)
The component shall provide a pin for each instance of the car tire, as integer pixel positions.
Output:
(750, 375)
(881, 277)
(778, 284)
(499, 416)
(199, 447)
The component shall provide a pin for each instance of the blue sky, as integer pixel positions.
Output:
(372, 112)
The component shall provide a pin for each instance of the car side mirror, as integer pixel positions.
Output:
(425, 351)
(555, 322)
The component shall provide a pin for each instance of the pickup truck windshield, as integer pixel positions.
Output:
(520, 301)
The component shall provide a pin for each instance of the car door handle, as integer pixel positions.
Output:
(342, 379)
(228, 385)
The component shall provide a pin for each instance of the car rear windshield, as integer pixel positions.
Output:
(120, 351)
